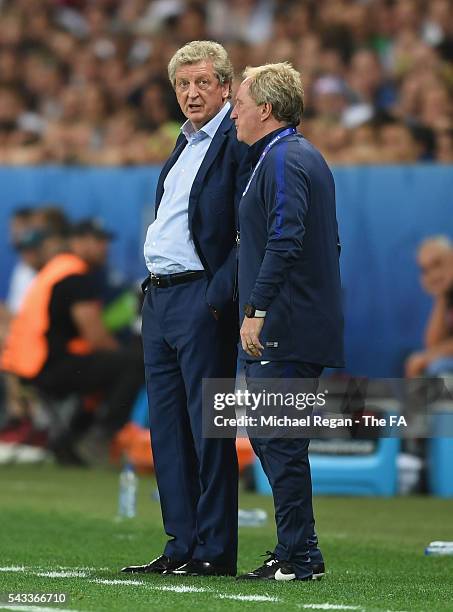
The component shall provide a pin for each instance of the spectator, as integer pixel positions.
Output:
(329, 98)
(398, 144)
(249, 20)
(25, 234)
(22, 236)
(367, 82)
(435, 259)
(25, 231)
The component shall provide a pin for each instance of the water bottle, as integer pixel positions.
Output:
(128, 492)
(439, 548)
(252, 518)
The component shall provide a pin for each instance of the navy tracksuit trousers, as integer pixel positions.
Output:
(287, 467)
(197, 477)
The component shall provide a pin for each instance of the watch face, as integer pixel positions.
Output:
(249, 311)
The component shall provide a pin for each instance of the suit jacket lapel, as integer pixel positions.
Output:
(214, 148)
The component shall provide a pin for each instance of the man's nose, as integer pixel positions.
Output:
(193, 90)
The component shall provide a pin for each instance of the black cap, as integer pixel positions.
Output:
(91, 227)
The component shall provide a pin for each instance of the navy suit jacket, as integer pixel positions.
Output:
(213, 203)
(289, 253)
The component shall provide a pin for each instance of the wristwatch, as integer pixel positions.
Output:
(252, 313)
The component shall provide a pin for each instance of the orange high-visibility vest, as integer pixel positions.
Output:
(26, 347)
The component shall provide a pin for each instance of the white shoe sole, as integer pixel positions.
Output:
(283, 577)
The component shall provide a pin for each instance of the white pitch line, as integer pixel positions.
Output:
(118, 581)
(82, 568)
(186, 589)
(62, 574)
(82, 573)
(328, 606)
(182, 589)
(250, 598)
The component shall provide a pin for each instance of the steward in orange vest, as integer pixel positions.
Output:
(26, 348)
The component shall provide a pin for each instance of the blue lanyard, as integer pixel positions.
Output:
(287, 132)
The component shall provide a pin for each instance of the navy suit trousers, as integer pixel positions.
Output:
(197, 477)
(285, 462)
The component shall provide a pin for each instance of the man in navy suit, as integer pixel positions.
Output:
(289, 292)
(190, 324)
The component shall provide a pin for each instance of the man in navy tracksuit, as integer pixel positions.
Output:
(190, 319)
(289, 291)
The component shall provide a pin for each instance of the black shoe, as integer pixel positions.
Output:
(158, 566)
(319, 570)
(195, 567)
(273, 569)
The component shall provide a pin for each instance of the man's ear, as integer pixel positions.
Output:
(266, 111)
(226, 91)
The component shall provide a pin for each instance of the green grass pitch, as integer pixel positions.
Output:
(58, 534)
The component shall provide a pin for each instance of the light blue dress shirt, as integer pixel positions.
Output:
(169, 248)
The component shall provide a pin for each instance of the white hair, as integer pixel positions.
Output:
(197, 51)
(279, 85)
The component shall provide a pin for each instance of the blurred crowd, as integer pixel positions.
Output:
(85, 82)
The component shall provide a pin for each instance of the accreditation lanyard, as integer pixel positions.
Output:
(287, 132)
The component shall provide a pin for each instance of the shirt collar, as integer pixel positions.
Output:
(208, 130)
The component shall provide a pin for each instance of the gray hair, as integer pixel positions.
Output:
(279, 85)
(202, 50)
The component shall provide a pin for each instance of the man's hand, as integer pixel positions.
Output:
(88, 320)
(416, 364)
(250, 336)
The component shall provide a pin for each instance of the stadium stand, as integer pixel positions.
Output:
(85, 82)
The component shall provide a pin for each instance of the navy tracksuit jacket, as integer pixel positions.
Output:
(289, 253)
